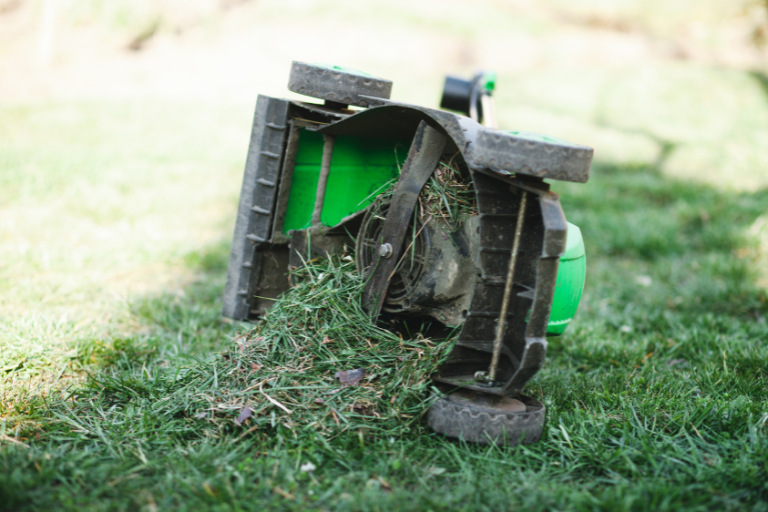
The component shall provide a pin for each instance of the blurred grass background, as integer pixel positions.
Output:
(124, 127)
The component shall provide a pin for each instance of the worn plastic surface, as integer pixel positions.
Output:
(254, 213)
(532, 154)
(337, 84)
(456, 94)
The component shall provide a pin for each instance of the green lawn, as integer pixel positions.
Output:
(121, 382)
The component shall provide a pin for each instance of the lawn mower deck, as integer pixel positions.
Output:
(450, 221)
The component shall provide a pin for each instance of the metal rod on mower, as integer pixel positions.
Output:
(489, 111)
(284, 190)
(325, 169)
(501, 326)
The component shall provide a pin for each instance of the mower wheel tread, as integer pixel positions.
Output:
(532, 154)
(480, 423)
(337, 85)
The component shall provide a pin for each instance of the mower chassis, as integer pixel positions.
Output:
(503, 170)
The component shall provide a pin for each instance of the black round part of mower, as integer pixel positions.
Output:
(482, 418)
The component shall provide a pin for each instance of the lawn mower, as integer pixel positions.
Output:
(449, 218)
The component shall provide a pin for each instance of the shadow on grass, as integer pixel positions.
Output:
(672, 286)
(667, 242)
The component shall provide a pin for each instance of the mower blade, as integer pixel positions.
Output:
(423, 157)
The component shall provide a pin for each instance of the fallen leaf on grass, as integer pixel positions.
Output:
(350, 377)
(379, 482)
(644, 281)
(365, 410)
(273, 401)
(13, 440)
(246, 343)
(12, 366)
(434, 471)
(256, 367)
(284, 494)
(244, 415)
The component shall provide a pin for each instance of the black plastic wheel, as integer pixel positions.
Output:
(532, 154)
(485, 419)
(339, 85)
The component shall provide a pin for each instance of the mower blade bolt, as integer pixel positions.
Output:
(385, 251)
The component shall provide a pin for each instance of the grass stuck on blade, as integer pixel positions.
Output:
(449, 195)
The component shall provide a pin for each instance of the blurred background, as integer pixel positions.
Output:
(124, 124)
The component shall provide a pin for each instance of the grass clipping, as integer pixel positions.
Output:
(286, 371)
(449, 195)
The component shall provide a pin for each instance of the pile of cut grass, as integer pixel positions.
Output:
(316, 329)
(281, 375)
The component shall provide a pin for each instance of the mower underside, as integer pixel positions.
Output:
(448, 221)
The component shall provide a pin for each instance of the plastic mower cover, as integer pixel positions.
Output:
(450, 221)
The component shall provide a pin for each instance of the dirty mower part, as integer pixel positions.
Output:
(470, 97)
(481, 418)
(337, 84)
(321, 178)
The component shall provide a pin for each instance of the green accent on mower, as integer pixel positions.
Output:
(360, 167)
(570, 283)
